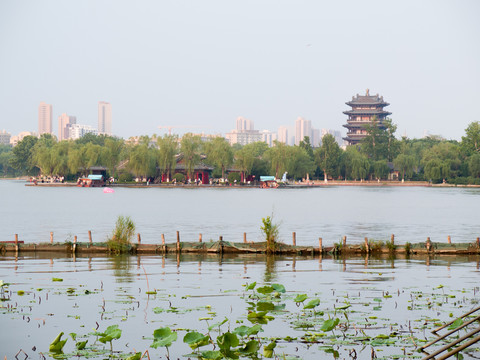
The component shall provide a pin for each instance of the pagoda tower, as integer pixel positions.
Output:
(365, 108)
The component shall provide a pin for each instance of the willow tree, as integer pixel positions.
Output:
(219, 153)
(167, 154)
(112, 153)
(191, 147)
(142, 158)
(328, 156)
(244, 159)
(277, 156)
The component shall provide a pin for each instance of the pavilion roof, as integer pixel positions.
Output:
(367, 99)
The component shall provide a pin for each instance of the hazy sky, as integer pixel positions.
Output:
(201, 64)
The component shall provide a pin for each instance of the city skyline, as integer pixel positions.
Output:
(180, 65)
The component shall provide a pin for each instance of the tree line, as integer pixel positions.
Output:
(376, 157)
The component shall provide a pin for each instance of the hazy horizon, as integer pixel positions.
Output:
(203, 64)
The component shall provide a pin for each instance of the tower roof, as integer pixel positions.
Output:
(367, 99)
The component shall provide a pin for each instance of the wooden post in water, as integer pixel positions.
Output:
(449, 239)
(478, 242)
(320, 245)
(16, 243)
(89, 236)
(294, 238)
(345, 241)
(244, 237)
(74, 249)
(393, 239)
(199, 238)
(367, 247)
(429, 244)
(221, 244)
(178, 241)
(164, 248)
(139, 238)
(51, 237)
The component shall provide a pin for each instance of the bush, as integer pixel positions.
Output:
(125, 177)
(121, 239)
(179, 177)
(233, 176)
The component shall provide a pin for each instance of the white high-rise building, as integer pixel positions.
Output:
(44, 118)
(283, 134)
(244, 133)
(104, 118)
(64, 124)
(302, 128)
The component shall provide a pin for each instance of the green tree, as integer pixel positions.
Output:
(373, 145)
(442, 161)
(471, 140)
(22, 159)
(219, 153)
(356, 164)
(277, 156)
(381, 169)
(406, 164)
(142, 158)
(6, 156)
(112, 154)
(299, 163)
(244, 159)
(167, 154)
(305, 144)
(328, 156)
(474, 165)
(392, 144)
(191, 147)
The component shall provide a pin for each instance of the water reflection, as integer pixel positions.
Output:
(122, 266)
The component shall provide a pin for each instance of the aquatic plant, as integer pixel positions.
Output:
(270, 232)
(121, 239)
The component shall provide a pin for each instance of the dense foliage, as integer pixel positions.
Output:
(379, 156)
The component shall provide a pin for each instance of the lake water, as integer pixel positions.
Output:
(411, 213)
(393, 303)
(402, 299)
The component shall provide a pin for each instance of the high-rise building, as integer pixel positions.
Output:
(244, 124)
(283, 134)
(64, 124)
(104, 118)
(44, 118)
(244, 133)
(365, 110)
(302, 128)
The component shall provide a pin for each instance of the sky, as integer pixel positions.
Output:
(198, 65)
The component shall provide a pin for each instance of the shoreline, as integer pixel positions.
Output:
(312, 184)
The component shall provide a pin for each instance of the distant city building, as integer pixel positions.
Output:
(243, 137)
(244, 133)
(335, 133)
(5, 137)
(44, 118)
(268, 137)
(104, 118)
(283, 134)
(315, 140)
(302, 128)
(14, 140)
(244, 124)
(64, 124)
(76, 131)
(364, 110)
